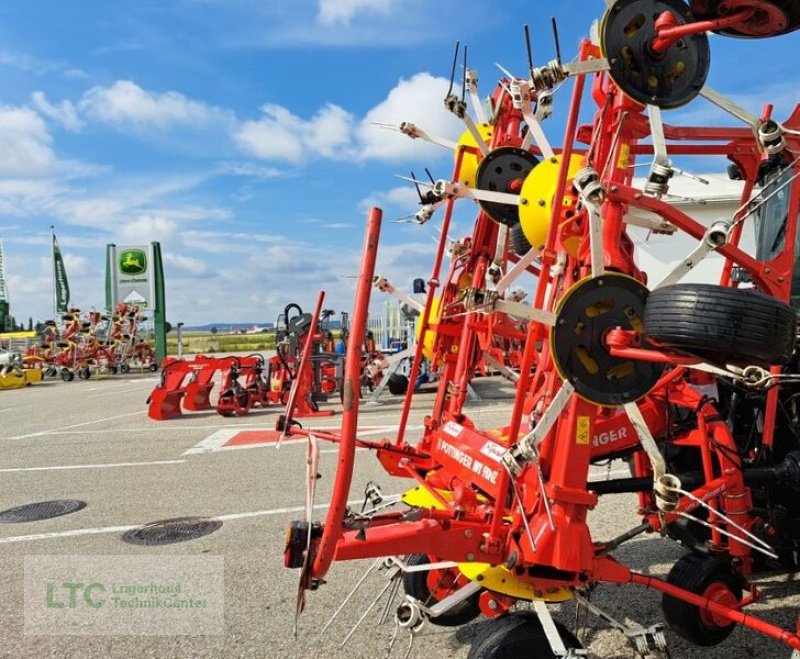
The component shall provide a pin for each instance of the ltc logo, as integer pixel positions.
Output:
(95, 601)
(132, 261)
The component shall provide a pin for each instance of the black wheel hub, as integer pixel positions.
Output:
(770, 18)
(667, 79)
(499, 172)
(586, 312)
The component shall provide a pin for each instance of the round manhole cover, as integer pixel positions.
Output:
(169, 531)
(32, 512)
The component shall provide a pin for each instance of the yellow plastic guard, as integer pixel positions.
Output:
(500, 580)
(469, 163)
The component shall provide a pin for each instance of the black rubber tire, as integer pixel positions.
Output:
(153, 367)
(722, 324)
(416, 585)
(519, 244)
(518, 636)
(695, 574)
(124, 368)
(67, 375)
(84, 373)
(112, 370)
(398, 384)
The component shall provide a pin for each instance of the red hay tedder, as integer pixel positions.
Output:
(696, 385)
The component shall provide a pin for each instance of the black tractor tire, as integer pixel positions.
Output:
(698, 574)
(153, 367)
(721, 324)
(416, 585)
(518, 242)
(398, 384)
(124, 368)
(518, 636)
(67, 375)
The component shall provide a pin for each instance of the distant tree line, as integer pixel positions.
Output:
(8, 323)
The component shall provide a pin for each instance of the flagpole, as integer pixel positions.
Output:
(53, 259)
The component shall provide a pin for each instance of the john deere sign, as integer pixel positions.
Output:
(135, 276)
(132, 261)
(132, 280)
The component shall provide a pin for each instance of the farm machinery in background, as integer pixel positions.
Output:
(695, 386)
(281, 380)
(83, 344)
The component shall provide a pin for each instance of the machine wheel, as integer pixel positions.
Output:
(519, 244)
(67, 375)
(398, 384)
(153, 367)
(518, 636)
(709, 577)
(720, 323)
(432, 586)
(125, 368)
(84, 373)
(112, 370)
(774, 17)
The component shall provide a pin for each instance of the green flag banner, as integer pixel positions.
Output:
(60, 279)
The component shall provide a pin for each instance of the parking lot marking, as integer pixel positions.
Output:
(123, 529)
(230, 439)
(42, 433)
(93, 466)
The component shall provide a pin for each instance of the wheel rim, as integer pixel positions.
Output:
(720, 594)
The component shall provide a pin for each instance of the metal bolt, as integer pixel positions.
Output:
(523, 201)
(767, 271)
(780, 279)
(614, 188)
(637, 196)
(470, 556)
(542, 202)
(468, 533)
(492, 605)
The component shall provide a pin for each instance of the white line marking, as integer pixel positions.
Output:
(117, 391)
(74, 425)
(215, 442)
(93, 466)
(122, 529)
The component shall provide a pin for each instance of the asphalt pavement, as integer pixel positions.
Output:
(91, 441)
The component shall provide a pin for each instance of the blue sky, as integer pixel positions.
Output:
(239, 133)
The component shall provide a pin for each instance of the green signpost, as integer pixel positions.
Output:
(135, 276)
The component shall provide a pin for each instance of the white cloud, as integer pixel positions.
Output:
(401, 197)
(249, 169)
(281, 135)
(76, 266)
(147, 228)
(126, 105)
(419, 100)
(64, 113)
(334, 133)
(25, 143)
(332, 12)
(185, 266)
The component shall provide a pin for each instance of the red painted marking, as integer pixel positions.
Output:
(253, 437)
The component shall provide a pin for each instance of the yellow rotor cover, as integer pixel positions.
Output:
(536, 200)
(469, 163)
(430, 336)
(500, 579)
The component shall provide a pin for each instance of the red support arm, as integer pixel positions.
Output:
(352, 376)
